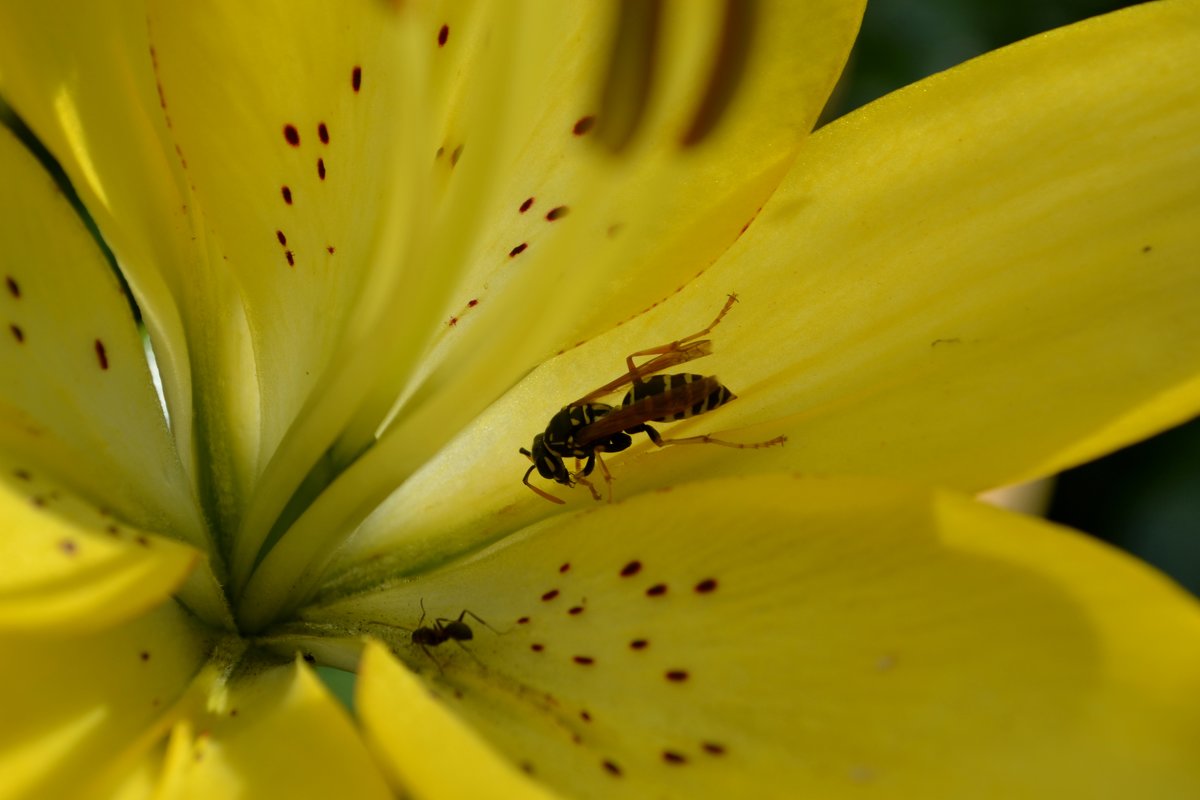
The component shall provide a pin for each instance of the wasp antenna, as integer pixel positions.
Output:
(540, 493)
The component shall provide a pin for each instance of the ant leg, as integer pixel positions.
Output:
(478, 619)
(436, 663)
(661, 442)
(474, 657)
(678, 351)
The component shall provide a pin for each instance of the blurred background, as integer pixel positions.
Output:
(1145, 499)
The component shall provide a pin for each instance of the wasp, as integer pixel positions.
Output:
(585, 428)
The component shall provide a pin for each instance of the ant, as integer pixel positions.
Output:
(444, 630)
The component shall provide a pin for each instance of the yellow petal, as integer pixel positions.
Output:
(606, 235)
(801, 637)
(282, 114)
(424, 748)
(77, 711)
(277, 733)
(81, 78)
(66, 568)
(77, 397)
(952, 285)
(581, 238)
(987, 277)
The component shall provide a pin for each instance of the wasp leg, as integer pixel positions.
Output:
(578, 477)
(608, 478)
(590, 486)
(661, 442)
(539, 492)
(678, 351)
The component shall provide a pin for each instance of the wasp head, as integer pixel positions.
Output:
(549, 465)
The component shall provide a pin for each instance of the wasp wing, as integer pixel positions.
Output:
(672, 358)
(663, 404)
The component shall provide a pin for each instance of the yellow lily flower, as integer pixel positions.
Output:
(375, 247)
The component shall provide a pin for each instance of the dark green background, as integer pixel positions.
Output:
(1145, 499)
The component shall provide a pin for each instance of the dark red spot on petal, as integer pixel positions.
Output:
(456, 155)
(452, 321)
(291, 258)
(287, 195)
(112, 530)
(13, 288)
(575, 610)
(536, 647)
(713, 748)
(523, 621)
(585, 660)
(632, 568)
(22, 475)
(677, 675)
(706, 585)
(550, 595)
(443, 35)
(144, 655)
(516, 251)
(323, 133)
(101, 355)
(68, 546)
(656, 590)
(329, 249)
(671, 757)
(321, 168)
(612, 768)
(282, 239)
(17, 333)
(471, 304)
(233, 712)
(558, 212)
(143, 541)
(356, 78)
(292, 135)
(583, 125)
(585, 716)
(439, 152)
(639, 644)
(526, 205)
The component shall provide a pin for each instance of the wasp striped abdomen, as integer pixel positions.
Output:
(663, 385)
